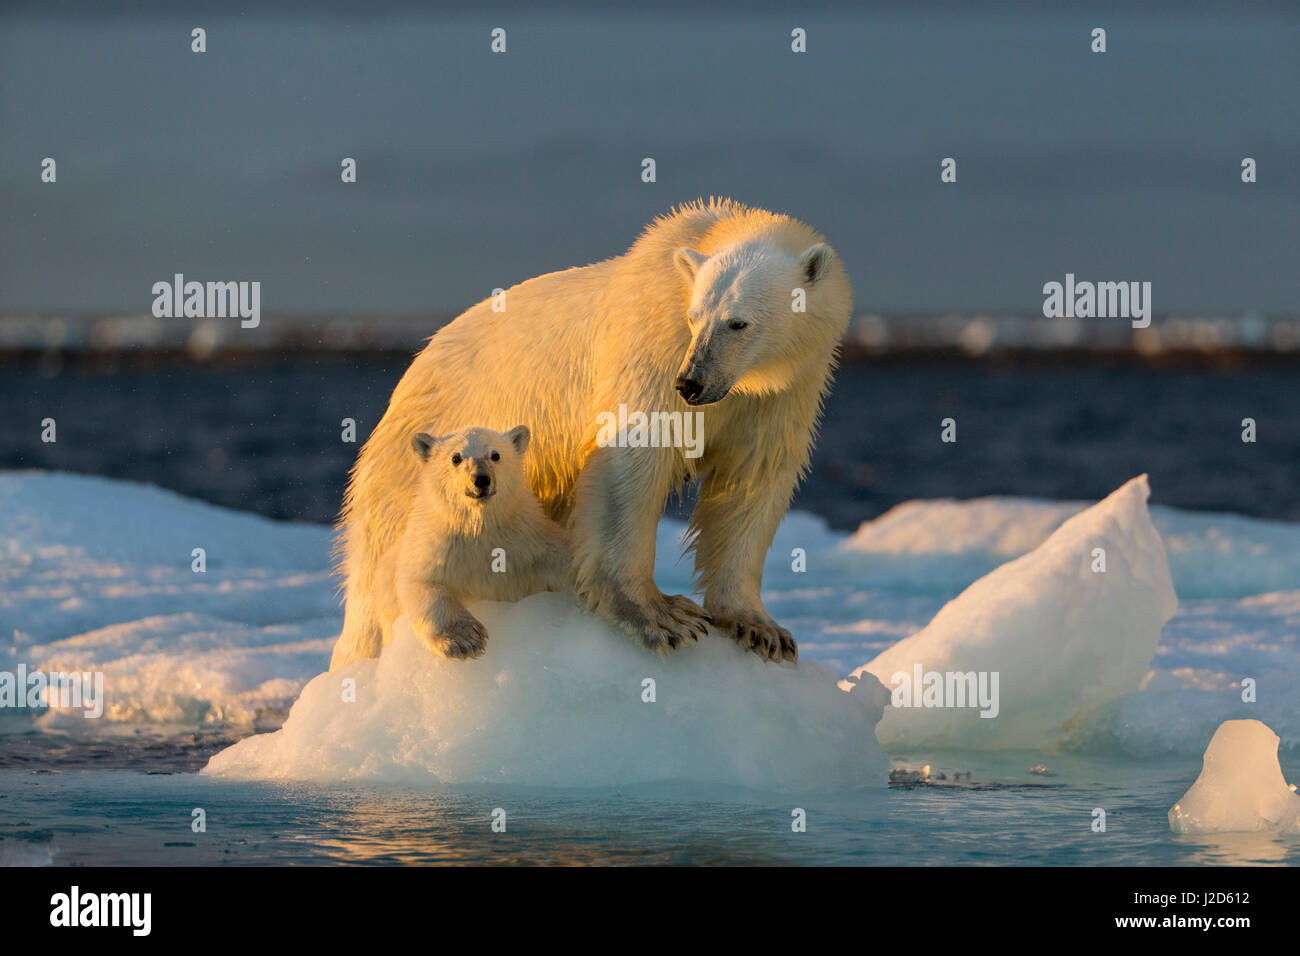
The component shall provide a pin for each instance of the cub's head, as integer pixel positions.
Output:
(761, 315)
(469, 468)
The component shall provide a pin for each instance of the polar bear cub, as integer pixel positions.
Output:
(476, 532)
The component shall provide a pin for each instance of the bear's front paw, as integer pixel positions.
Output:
(665, 624)
(757, 632)
(463, 638)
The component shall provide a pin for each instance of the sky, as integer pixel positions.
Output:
(478, 170)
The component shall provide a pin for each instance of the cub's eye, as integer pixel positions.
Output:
(496, 456)
(456, 459)
(737, 324)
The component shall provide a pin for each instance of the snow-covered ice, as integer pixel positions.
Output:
(560, 699)
(1241, 786)
(98, 575)
(954, 542)
(1053, 635)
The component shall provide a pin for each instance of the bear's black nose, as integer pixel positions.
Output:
(689, 388)
(482, 481)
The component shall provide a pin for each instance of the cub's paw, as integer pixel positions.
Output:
(757, 631)
(463, 638)
(662, 624)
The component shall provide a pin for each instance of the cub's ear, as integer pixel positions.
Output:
(423, 444)
(519, 437)
(814, 261)
(688, 262)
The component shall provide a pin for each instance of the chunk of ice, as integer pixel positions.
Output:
(560, 699)
(1061, 636)
(1241, 786)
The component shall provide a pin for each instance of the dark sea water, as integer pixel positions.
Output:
(117, 817)
(267, 438)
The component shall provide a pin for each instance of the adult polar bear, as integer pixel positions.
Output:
(703, 310)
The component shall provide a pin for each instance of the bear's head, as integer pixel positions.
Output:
(761, 317)
(469, 468)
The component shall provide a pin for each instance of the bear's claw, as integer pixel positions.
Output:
(758, 633)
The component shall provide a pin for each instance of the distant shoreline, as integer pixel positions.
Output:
(1200, 338)
(142, 341)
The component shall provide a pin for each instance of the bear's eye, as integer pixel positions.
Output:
(496, 456)
(737, 324)
(455, 459)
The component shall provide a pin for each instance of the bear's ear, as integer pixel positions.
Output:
(423, 444)
(814, 261)
(519, 436)
(688, 262)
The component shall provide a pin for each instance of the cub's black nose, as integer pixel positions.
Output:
(689, 388)
(482, 481)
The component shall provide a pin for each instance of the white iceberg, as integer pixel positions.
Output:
(1241, 787)
(1049, 636)
(559, 699)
